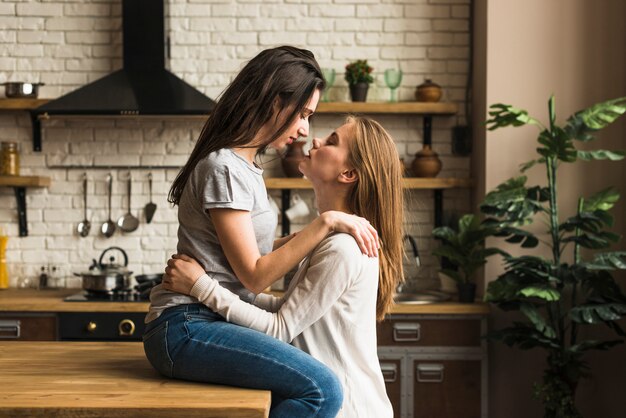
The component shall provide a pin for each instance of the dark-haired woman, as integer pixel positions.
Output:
(225, 222)
(336, 296)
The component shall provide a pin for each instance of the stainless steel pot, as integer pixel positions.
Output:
(107, 277)
(21, 90)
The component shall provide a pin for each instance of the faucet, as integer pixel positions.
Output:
(414, 247)
(400, 288)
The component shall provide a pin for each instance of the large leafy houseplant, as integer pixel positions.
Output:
(558, 296)
(463, 248)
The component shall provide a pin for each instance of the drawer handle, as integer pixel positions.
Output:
(429, 373)
(406, 332)
(10, 329)
(126, 328)
(390, 372)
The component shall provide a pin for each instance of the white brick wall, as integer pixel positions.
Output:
(67, 43)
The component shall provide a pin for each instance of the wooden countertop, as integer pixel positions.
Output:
(108, 379)
(30, 300)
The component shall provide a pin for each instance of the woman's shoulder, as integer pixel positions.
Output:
(342, 245)
(217, 159)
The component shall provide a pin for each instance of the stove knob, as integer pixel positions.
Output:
(126, 327)
(91, 327)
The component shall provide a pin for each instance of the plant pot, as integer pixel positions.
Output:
(358, 91)
(426, 163)
(467, 292)
(292, 158)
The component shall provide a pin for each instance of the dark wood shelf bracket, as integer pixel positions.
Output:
(285, 197)
(438, 195)
(20, 195)
(428, 129)
(36, 124)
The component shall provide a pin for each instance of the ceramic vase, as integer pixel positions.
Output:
(428, 91)
(426, 163)
(292, 159)
(358, 92)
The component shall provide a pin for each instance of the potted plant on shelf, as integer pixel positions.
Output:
(558, 296)
(359, 76)
(464, 250)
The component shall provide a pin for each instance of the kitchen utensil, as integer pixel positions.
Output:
(145, 284)
(106, 277)
(21, 90)
(150, 206)
(128, 222)
(84, 226)
(108, 228)
(154, 277)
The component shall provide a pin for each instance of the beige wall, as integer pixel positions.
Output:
(525, 51)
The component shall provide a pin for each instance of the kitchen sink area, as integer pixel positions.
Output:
(422, 297)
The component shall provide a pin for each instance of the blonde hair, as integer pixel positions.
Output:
(378, 197)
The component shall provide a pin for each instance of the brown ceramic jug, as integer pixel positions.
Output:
(428, 92)
(292, 159)
(426, 163)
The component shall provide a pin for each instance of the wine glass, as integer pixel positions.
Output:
(393, 78)
(329, 77)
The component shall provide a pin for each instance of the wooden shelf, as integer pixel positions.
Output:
(21, 104)
(415, 108)
(24, 181)
(19, 185)
(438, 108)
(407, 183)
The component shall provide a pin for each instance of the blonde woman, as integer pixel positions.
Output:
(334, 300)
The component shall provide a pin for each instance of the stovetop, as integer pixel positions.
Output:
(118, 296)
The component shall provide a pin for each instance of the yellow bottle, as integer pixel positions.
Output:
(4, 274)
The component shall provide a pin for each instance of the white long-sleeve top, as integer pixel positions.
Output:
(329, 311)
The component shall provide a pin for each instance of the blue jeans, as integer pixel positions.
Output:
(191, 342)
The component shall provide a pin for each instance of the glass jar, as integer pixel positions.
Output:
(9, 159)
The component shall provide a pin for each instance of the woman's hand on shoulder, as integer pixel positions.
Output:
(360, 228)
(181, 274)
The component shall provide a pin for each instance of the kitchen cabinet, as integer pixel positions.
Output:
(438, 363)
(26, 326)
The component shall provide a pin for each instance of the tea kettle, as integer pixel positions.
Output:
(106, 277)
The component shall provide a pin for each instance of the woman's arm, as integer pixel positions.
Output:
(329, 274)
(256, 272)
(279, 242)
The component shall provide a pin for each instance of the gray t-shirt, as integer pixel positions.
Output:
(223, 179)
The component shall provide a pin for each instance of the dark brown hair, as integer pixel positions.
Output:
(287, 74)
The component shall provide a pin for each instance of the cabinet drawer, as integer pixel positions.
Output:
(393, 375)
(23, 327)
(446, 388)
(429, 332)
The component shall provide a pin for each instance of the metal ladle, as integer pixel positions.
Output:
(84, 226)
(108, 228)
(128, 222)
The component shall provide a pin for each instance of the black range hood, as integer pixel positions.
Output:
(143, 86)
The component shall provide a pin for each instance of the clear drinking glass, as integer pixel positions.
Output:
(393, 78)
(329, 77)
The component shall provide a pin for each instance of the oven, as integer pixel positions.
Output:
(103, 325)
(100, 326)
